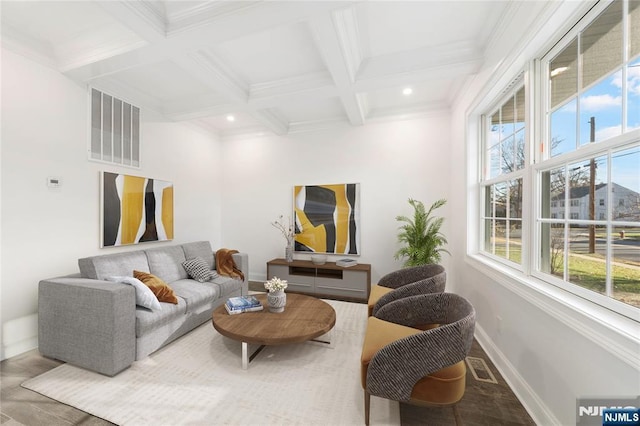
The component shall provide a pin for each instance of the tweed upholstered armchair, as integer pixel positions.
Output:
(407, 282)
(415, 366)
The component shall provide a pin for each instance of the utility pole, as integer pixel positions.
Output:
(592, 190)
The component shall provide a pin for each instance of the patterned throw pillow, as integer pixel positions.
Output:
(198, 269)
(163, 292)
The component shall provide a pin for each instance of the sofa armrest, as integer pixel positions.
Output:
(242, 262)
(88, 323)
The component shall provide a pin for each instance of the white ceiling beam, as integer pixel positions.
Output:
(339, 48)
(143, 17)
(260, 17)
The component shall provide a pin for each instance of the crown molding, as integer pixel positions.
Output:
(18, 42)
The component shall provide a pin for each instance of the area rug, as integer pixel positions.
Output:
(198, 380)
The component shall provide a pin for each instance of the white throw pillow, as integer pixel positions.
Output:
(144, 295)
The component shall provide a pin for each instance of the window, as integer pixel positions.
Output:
(504, 159)
(115, 130)
(585, 220)
(593, 77)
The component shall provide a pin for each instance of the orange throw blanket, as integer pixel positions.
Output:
(225, 264)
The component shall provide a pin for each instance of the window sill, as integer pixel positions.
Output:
(612, 331)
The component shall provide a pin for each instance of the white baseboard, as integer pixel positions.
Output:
(536, 408)
(19, 335)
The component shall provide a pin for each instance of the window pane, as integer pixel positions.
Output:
(626, 265)
(602, 106)
(587, 266)
(500, 199)
(494, 130)
(508, 118)
(633, 94)
(587, 181)
(494, 161)
(520, 150)
(625, 179)
(515, 198)
(508, 151)
(515, 241)
(634, 28)
(563, 72)
(601, 44)
(488, 198)
(563, 129)
(552, 246)
(552, 190)
(500, 240)
(488, 235)
(519, 113)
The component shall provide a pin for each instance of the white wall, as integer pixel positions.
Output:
(392, 161)
(44, 232)
(551, 347)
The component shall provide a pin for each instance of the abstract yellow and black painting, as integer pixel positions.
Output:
(327, 218)
(135, 209)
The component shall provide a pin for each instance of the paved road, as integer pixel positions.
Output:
(628, 250)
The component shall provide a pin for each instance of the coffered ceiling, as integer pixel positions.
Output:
(275, 66)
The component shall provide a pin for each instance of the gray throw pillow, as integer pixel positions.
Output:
(144, 295)
(198, 269)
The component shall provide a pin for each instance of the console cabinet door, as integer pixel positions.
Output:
(295, 281)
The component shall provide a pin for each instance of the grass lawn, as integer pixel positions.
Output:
(591, 274)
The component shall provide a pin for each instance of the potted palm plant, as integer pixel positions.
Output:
(421, 236)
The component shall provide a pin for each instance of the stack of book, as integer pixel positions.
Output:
(240, 304)
(345, 263)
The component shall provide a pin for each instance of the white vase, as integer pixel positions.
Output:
(276, 301)
(288, 253)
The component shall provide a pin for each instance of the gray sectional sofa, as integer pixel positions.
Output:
(93, 323)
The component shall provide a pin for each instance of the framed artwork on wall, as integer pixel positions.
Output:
(134, 209)
(327, 218)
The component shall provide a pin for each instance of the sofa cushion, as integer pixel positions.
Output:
(147, 320)
(144, 295)
(116, 264)
(198, 269)
(196, 294)
(200, 249)
(166, 263)
(161, 289)
(227, 285)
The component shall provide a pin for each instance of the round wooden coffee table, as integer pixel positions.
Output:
(304, 318)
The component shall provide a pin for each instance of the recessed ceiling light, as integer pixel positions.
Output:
(231, 118)
(407, 91)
